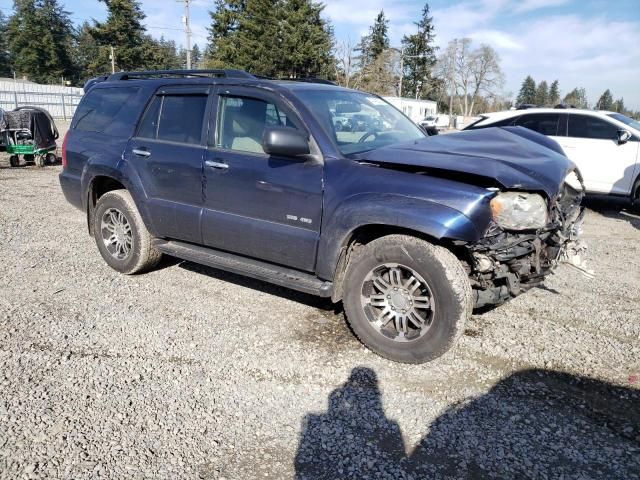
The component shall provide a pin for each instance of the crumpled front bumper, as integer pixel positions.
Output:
(504, 264)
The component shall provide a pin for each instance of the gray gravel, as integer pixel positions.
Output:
(189, 372)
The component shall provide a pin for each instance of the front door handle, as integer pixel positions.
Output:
(218, 165)
(141, 152)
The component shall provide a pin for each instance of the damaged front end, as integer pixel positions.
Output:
(507, 262)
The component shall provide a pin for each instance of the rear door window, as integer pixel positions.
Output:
(101, 108)
(175, 118)
(544, 123)
(586, 126)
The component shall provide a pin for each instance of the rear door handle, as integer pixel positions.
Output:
(218, 165)
(141, 152)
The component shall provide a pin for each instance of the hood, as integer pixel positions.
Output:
(515, 157)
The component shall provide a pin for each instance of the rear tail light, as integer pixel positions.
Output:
(64, 149)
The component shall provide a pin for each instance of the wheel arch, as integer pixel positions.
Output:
(364, 234)
(98, 186)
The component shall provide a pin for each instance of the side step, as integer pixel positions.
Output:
(283, 276)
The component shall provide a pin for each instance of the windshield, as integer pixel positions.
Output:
(626, 120)
(359, 122)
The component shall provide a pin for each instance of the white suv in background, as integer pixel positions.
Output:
(604, 145)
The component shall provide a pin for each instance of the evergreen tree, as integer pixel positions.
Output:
(270, 37)
(124, 32)
(244, 34)
(605, 102)
(420, 59)
(577, 98)
(161, 54)
(527, 91)
(377, 41)
(542, 94)
(196, 56)
(5, 59)
(554, 94)
(306, 40)
(40, 39)
(85, 51)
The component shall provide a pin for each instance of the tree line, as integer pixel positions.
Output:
(544, 95)
(272, 38)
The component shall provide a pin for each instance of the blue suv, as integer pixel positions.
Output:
(252, 176)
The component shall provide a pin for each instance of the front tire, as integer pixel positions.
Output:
(635, 196)
(406, 299)
(121, 236)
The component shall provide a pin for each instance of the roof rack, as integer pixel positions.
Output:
(525, 106)
(179, 73)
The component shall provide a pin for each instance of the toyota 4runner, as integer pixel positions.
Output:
(252, 176)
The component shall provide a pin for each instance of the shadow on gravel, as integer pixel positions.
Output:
(612, 207)
(532, 424)
(269, 288)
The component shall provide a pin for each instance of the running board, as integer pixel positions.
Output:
(267, 272)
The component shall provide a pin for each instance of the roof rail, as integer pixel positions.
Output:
(310, 80)
(179, 73)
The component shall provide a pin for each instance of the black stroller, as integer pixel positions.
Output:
(30, 132)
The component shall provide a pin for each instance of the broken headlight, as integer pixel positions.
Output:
(519, 210)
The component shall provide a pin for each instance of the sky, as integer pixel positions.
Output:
(593, 44)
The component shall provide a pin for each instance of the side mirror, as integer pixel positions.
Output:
(285, 142)
(623, 136)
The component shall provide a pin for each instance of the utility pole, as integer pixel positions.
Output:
(187, 31)
(112, 56)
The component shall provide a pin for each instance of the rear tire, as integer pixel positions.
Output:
(432, 286)
(51, 159)
(121, 236)
(14, 161)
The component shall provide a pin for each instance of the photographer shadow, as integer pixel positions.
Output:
(532, 424)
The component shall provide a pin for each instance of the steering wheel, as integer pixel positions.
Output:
(367, 135)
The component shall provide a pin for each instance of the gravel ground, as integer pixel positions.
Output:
(189, 372)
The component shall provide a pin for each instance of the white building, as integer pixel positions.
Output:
(416, 110)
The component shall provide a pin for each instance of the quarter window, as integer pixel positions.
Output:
(242, 120)
(586, 126)
(174, 118)
(100, 108)
(544, 123)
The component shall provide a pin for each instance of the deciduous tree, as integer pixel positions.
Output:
(577, 98)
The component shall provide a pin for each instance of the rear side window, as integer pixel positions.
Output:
(480, 124)
(100, 108)
(544, 123)
(586, 126)
(174, 118)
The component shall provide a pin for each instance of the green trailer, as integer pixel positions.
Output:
(30, 153)
(30, 133)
